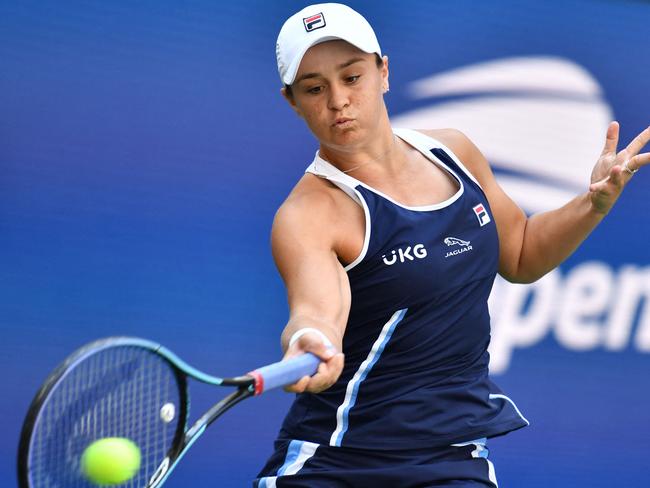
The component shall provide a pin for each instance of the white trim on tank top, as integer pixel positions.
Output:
(422, 142)
(352, 192)
(366, 236)
(415, 139)
(326, 169)
(348, 184)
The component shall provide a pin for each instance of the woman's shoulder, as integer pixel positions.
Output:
(454, 139)
(315, 215)
(311, 199)
(462, 146)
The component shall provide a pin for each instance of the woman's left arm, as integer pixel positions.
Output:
(531, 247)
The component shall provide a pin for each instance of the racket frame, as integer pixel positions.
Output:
(251, 384)
(62, 370)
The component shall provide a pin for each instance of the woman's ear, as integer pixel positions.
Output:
(384, 74)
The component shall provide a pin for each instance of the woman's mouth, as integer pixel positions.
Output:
(343, 122)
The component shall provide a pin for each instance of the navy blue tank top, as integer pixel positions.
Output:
(416, 359)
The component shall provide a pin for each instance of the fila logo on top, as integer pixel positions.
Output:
(481, 214)
(314, 22)
(419, 251)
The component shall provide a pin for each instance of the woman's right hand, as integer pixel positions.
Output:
(329, 369)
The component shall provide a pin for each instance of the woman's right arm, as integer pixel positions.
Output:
(303, 243)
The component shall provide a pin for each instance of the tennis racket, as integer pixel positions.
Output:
(132, 388)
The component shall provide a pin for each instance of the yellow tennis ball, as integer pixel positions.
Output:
(110, 461)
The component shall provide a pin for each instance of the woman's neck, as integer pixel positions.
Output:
(383, 151)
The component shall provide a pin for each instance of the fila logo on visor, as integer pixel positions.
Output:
(481, 214)
(314, 22)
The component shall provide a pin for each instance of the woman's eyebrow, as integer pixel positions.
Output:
(339, 67)
(348, 63)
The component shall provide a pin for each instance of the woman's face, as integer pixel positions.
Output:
(338, 90)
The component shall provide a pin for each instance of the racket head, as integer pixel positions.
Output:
(114, 387)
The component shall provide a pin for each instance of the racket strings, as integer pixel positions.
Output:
(116, 392)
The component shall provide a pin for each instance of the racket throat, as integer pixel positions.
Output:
(258, 385)
(160, 474)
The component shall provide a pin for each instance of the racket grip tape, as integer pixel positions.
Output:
(284, 373)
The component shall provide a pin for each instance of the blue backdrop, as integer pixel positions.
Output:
(144, 148)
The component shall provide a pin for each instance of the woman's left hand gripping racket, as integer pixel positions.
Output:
(127, 388)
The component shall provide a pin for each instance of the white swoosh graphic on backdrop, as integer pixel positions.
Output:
(544, 118)
(539, 73)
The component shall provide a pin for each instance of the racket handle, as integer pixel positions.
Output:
(284, 372)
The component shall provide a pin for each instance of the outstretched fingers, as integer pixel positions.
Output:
(619, 175)
(611, 139)
(612, 181)
(614, 170)
(634, 147)
(616, 177)
(638, 161)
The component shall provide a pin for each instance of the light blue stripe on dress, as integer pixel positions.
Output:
(352, 389)
(482, 452)
(292, 455)
(298, 453)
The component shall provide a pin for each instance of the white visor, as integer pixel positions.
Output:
(319, 23)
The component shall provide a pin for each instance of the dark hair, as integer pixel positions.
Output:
(378, 60)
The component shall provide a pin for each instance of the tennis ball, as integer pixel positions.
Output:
(110, 461)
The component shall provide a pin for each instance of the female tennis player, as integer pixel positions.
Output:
(388, 247)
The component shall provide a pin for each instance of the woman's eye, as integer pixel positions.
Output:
(352, 79)
(315, 89)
